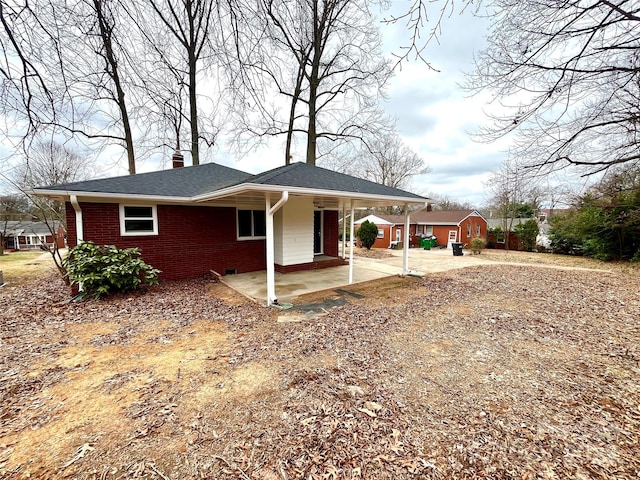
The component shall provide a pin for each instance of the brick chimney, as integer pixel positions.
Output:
(429, 207)
(178, 159)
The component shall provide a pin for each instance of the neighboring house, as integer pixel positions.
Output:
(385, 231)
(498, 240)
(446, 225)
(188, 221)
(27, 235)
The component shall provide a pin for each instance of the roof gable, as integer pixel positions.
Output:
(374, 219)
(443, 217)
(303, 175)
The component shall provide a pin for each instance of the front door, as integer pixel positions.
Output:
(318, 236)
(453, 235)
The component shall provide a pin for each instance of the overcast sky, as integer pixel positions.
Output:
(434, 117)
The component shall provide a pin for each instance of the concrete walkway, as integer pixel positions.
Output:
(290, 285)
(421, 262)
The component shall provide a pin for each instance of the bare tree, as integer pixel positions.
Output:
(50, 163)
(191, 25)
(443, 202)
(508, 188)
(324, 58)
(62, 72)
(390, 162)
(567, 78)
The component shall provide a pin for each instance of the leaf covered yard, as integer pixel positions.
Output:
(502, 371)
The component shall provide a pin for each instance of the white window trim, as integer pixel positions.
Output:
(242, 239)
(380, 233)
(154, 217)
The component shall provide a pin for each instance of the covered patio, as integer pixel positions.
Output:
(291, 285)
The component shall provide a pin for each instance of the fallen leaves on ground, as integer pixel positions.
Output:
(487, 372)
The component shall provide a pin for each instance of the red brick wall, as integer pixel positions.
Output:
(190, 242)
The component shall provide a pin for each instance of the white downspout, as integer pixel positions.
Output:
(271, 269)
(79, 224)
(352, 241)
(405, 252)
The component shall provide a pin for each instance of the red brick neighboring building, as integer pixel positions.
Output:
(446, 225)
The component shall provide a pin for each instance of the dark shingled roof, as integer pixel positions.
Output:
(192, 181)
(309, 176)
(176, 182)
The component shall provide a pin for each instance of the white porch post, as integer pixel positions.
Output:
(269, 245)
(405, 252)
(351, 242)
(344, 230)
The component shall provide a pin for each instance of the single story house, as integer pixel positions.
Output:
(188, 221)
(385, 230)
(28, 235)
(447, 226)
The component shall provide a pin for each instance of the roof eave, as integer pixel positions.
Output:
(66, 195)
(253, 187)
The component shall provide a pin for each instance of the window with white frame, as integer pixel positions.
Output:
(380, 233)
(428, 231)
(468, 230)
(251, 224)
(36, 239)
(138, 220)
(478, 230)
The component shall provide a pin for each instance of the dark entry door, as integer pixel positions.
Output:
(317, 233)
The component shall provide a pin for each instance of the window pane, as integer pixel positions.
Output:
(259, 223)
(138, 225)
(244, 223)
(145, 212)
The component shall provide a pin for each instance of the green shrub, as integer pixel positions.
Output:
(368, 232)
(477, 244)
(103, 269)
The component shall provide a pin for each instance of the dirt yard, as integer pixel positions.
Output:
(499, 371)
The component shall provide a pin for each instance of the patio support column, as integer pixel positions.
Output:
(269, 245)
(344, 230)
(351, 242)
(79, 224)
(405, 251)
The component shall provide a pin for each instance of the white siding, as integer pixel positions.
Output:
(277, 236)
(294, 232)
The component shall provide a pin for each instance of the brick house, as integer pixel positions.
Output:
(446, 225)
(28, 235)
(385, 230)
(188, 221)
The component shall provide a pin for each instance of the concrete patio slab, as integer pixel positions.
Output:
(291, 285)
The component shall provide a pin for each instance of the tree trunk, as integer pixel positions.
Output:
(193, 108)
(312, 138)
(112, 68)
